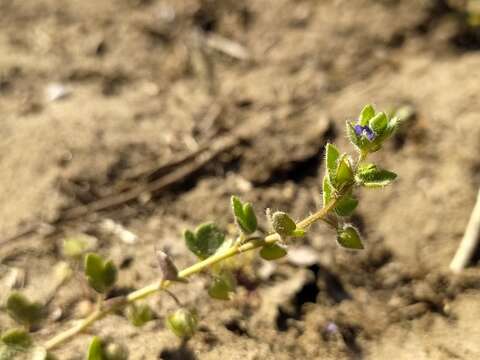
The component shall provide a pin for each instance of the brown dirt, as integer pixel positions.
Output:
(145, 90)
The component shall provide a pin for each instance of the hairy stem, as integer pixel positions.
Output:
(191, 270)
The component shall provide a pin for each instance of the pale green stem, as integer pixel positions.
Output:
(193, 269)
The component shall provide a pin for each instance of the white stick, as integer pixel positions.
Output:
(469, 242)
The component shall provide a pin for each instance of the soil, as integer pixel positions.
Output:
(96, 94)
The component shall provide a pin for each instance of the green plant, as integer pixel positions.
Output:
(343, 174)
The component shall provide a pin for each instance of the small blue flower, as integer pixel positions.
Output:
(365, 131)
(331, 327)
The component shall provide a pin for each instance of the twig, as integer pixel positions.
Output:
(25, 231)
(469, 242)
(153, 170)
(179, 174)
(228, 47)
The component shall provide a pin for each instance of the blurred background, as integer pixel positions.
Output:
(127, 121)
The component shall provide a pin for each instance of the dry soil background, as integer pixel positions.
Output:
(255, 89)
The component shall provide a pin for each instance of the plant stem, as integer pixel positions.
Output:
(193, 269)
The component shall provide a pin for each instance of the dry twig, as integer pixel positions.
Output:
(469, 243)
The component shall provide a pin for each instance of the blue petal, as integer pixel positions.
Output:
(358, 129)
(369, 133)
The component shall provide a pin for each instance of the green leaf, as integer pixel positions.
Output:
(331, 156)
(205, 241)
(95, 350)
(378, 123)
(283, 224)
(23, 310)
(182, 323)
(237, 206)
(101, 274)
(272, 252)
(222, 286)
(369, 175)
(250, 219)
(17, 344)
(327, 191)
(343, 172)
(191, 241)
(346, 205)
(18, 339)
(139, 315)
(78, 245)
(244, 215)
(366, 114)
(349, 238)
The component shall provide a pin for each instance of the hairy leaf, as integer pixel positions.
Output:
(346, 206)
(272, 252)
(349, 238)
(343, 172)
(370, 176)
(222, 286)
(101, 274)
(331, 157)
(244, 215)
(205, 241)
(283, 224)
(23, 310)
(366, 114)
(379, 123)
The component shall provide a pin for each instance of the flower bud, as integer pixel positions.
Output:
(114, 351)
(283, 224)
(183, 323)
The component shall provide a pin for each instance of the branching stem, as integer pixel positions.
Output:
(151, 289)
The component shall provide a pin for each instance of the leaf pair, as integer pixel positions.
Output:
(338, 173)
(284, 226)
(205, 240)
(23, 310)
(16, 342)
(101, 274)
(338, 167)
(345, 206)
(244, 215)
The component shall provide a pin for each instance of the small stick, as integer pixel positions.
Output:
(154, 186)
(186, 167)
(228, 47)
(469, 242)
